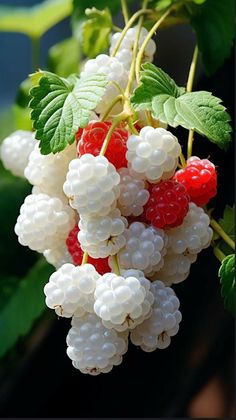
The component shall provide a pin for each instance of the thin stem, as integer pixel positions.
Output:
(115, 263)
(146, 41)
(192, 70)
(219, 254)
(120, 117)
(113, 103)
(190, 143)
(116, 28)
(85, 258)
(125, 11)
(35, 51)
(127, 26)
(135, 51)
(182, 160)
(189, 88)
(222, 233)
(132, 127)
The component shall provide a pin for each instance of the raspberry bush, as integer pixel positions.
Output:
(116, 207)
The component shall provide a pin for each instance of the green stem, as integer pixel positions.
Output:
(135, 52)
(115, 265)
(112, 104)
(35, 49)
(222, 233)
(85, 258)
(120, 117)
(126, 28)
(116, 28)
(219, 254)
(132, 127)
(125, 11)
(146, 41)
(182, 160)
(192, 70)
(189, 88)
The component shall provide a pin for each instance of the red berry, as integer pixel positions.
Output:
(73, 246)
(200, 179)
(167, 205)
(92, 139)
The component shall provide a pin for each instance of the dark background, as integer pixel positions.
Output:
(191, 378)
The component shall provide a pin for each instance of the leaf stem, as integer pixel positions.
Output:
(135, 52)
(146, 41)
(120, 117)
(132, 127)
(182, 160)
(222, 233)
(112, 104)
(127, 26)
(219, 254)
(85, 258)
(125, 11)
(116, 267)
(189, 88)
(35, 51)
(192, 70)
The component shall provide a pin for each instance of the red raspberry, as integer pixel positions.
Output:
(167, 205)
(73, 246)
(92, 139)
(200, 179)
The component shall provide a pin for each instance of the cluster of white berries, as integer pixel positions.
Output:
(107, 207)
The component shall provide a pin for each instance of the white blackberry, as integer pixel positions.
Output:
(156, 331)
(176, 268)
(153, 154)
(15, 150)
(93, 348)
(44, 222)
(70, 290)
(125, 52)
(133, 194)
(58, 256)
(193, 235)
(144, 250)
(115, 71)
(92, 185)
(122, 302)
(48, 172)
(102, 236)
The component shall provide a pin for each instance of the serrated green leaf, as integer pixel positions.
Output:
(227, 222)
(200, 111)
(60, 106)
(227, 280)
(24, 307)
(154, 81)
(34, 21)
(213, 23)
(64, 57)
(96, 31)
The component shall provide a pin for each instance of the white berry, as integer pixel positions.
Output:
(153, 154)
(93, 348)
(156, 331)
(102, 236)
(133, 194)
(176, 267)
(48, 172)
(58, 256)
(15, 151)
(122, 302)
(44, 222)
(114, 70)
(144, 249)
(92, 185)
(70, 290)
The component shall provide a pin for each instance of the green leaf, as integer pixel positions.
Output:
(24, 307)
(154, 81)
(227, 280)
(60, 106)
(213, 23)
(64, 57)
(227, 222)
(96, 31)
(21, 109)
(36, 20)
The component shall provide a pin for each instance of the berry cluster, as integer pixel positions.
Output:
(119, 227)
